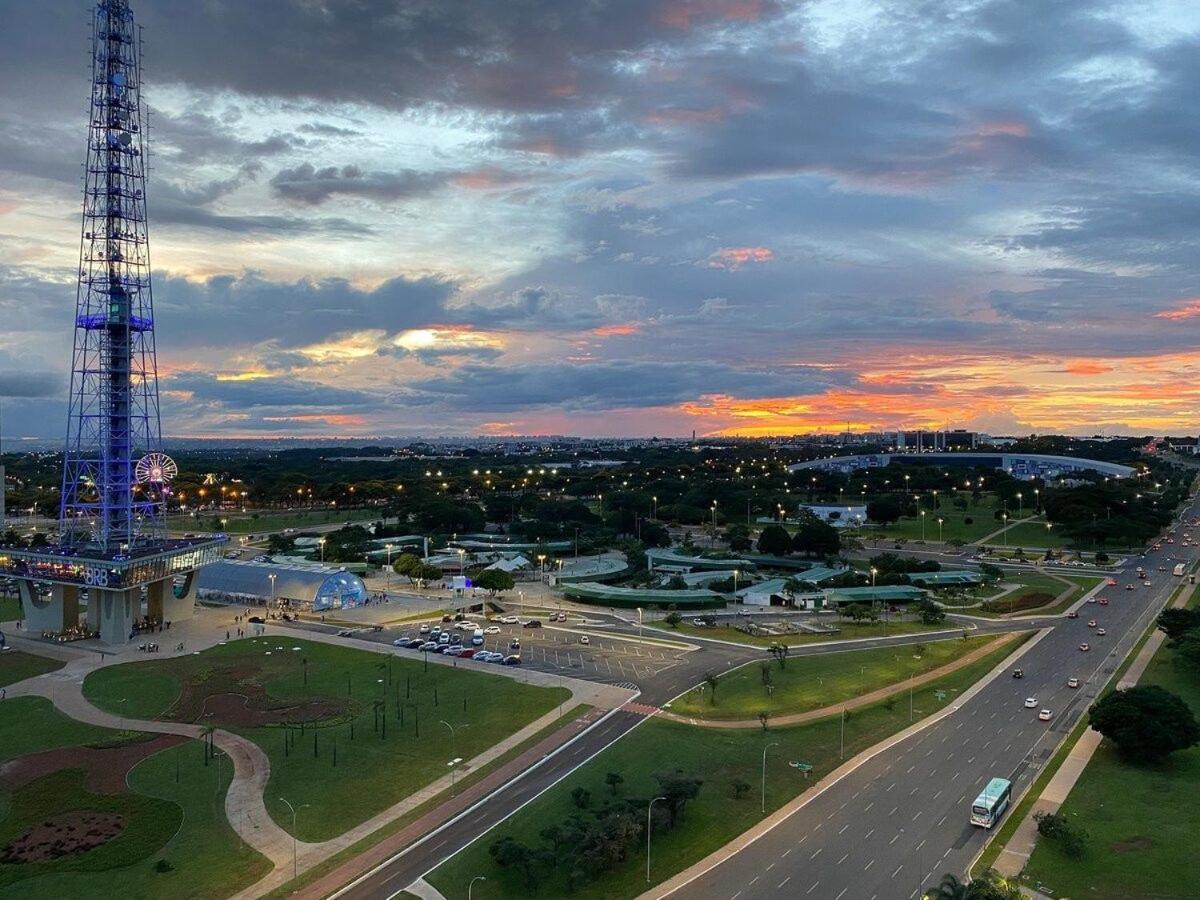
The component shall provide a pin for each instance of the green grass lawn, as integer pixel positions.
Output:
(719, 757)
(849, 631)
(181, 821)
(812, 682)
(1038, 594)
(10, 609)
(954, 524)
(1142, 821)
(17, 666)
(343, 770)
(245, 523)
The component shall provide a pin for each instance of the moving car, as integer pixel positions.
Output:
(510, 620)
(1018, 673)
(1031, 702)
(533, 623)
(514, 644)
(1103, 601)
(1085, 647)
(1072, 682)
(1112, 582)
(1101, 632)
(1072, 615)
(1091, 623)
(513, 660)
(427, 646)
(1044, 715)
(585, 639)
(492, 629)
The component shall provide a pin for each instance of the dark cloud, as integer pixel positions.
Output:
(278, 393)
(30, 384)
(306, 184)
(608, 385)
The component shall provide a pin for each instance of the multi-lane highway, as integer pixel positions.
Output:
(894, 825)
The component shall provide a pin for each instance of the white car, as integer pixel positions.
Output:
(1101, 632)
(492, 629)
(1031, 702)
(1044, 715)
(510, 620)
(585, 639)
(1072, 682)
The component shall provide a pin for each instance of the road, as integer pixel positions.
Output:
(894, 825)
(660, 684)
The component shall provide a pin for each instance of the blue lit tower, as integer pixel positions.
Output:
(113, 549)
(114, 381)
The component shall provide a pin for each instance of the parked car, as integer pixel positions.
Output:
(424, 629)
(467, 653)
(512, 660)
(492, 629)
(533, 623)
(427, 646)
(1085, 647)
(1072, 615)
(1101, 632)
(510, 620)
(401, 641)
(1018, 673)
(584, 639)
(514, 644)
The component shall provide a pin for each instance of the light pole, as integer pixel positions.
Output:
(471, 886)
(1004, 531)
(322, 544)
(842, 741)
(654, 508)
(388, 547)
(874, 572)
(764, 773)
(648, 810)
(940, 521)
(293, 809)
(454, 762)
(1020, 505)
(922, 526)
(462, 555)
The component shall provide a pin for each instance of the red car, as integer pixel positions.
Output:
(1112, 582)
(1103, 601)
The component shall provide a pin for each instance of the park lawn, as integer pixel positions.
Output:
(719, 757)
(206, 856)
(1032, 534)
(1035, 586)
(246, 523)
(31, 724)
(849, 631)
(17, 666)
(954, 525)
(347, 765)
(10, 609)
(1142, 821)
(813, 682)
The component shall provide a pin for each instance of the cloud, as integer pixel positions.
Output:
(30, 384)
(308, 185)
(734, 258)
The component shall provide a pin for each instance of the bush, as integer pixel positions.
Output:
(1057, 828)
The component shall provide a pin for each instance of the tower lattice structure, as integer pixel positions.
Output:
(113, 410)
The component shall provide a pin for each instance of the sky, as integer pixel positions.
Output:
(630, 217)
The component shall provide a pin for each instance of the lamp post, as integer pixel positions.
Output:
(461, 557)
(293, 809)
(648, 811)
(1020, 505)
(388, 547)
(654, 508)
(940, 521)
(321, 542)
(874, 572)
(764, 773)
(1004, 531)
(272, 576)
(454, 762)
(922, 526)
(471, 886)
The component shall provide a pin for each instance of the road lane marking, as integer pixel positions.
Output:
(785, 881)
(816, 854)
(842, 860)
(843, 828)
(813, 888)
(868, 865)
(898, 868)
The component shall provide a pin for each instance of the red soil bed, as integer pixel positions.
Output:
(63, 835)
(106, 767)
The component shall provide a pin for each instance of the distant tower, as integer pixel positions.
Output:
(113, 417)
(113, 549)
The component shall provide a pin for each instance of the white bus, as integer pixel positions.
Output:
(1179, 569)
(990, 805)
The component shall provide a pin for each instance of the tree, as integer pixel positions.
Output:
(931, 613)
(1146, 722)
(1187, 648)
(775, 541)
(816, 538)
(711, 680)
(673, 619)
(510, 852)
(989, 886)
(780, 654)
(494, 580)
(614, 780)
(424, 572)
(405, 564)
(555, 836)
(581, 797)
(739, 787)
(1060, 830)
(1174, 623)
(738, 538)
(678, 789)
(885, 509)
(989, 572)
(763, 716)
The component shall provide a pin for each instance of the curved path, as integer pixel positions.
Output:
(856, 703)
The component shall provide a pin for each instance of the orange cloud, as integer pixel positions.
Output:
(681, 14)
(1189, 310)
(677, 115)
(1085, 367)
(732, 258)
(613, 330)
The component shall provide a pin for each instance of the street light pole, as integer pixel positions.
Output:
(648, 810)
(471, 886)
(294, 863)
(764, 773)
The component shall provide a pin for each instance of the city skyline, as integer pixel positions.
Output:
(733, 217)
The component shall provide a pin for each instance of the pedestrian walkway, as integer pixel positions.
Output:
(858, 702)
(1016, 852)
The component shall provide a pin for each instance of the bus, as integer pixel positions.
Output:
(1180, 568)
(990, 805)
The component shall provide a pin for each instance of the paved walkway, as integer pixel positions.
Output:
(858, 702)
(1016, 852)
(244, 803)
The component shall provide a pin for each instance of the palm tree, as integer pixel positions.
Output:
(950, 888)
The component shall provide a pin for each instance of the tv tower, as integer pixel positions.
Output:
(113, 416)
(112, 540)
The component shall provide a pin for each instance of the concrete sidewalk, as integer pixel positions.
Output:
(1016, 852)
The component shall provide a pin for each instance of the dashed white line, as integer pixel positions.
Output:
(785, 881)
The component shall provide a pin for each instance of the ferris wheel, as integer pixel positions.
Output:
(155, 468)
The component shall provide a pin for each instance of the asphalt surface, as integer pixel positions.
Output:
(896, 824)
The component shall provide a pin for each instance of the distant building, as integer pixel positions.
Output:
(301, 588)
(936, 441)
